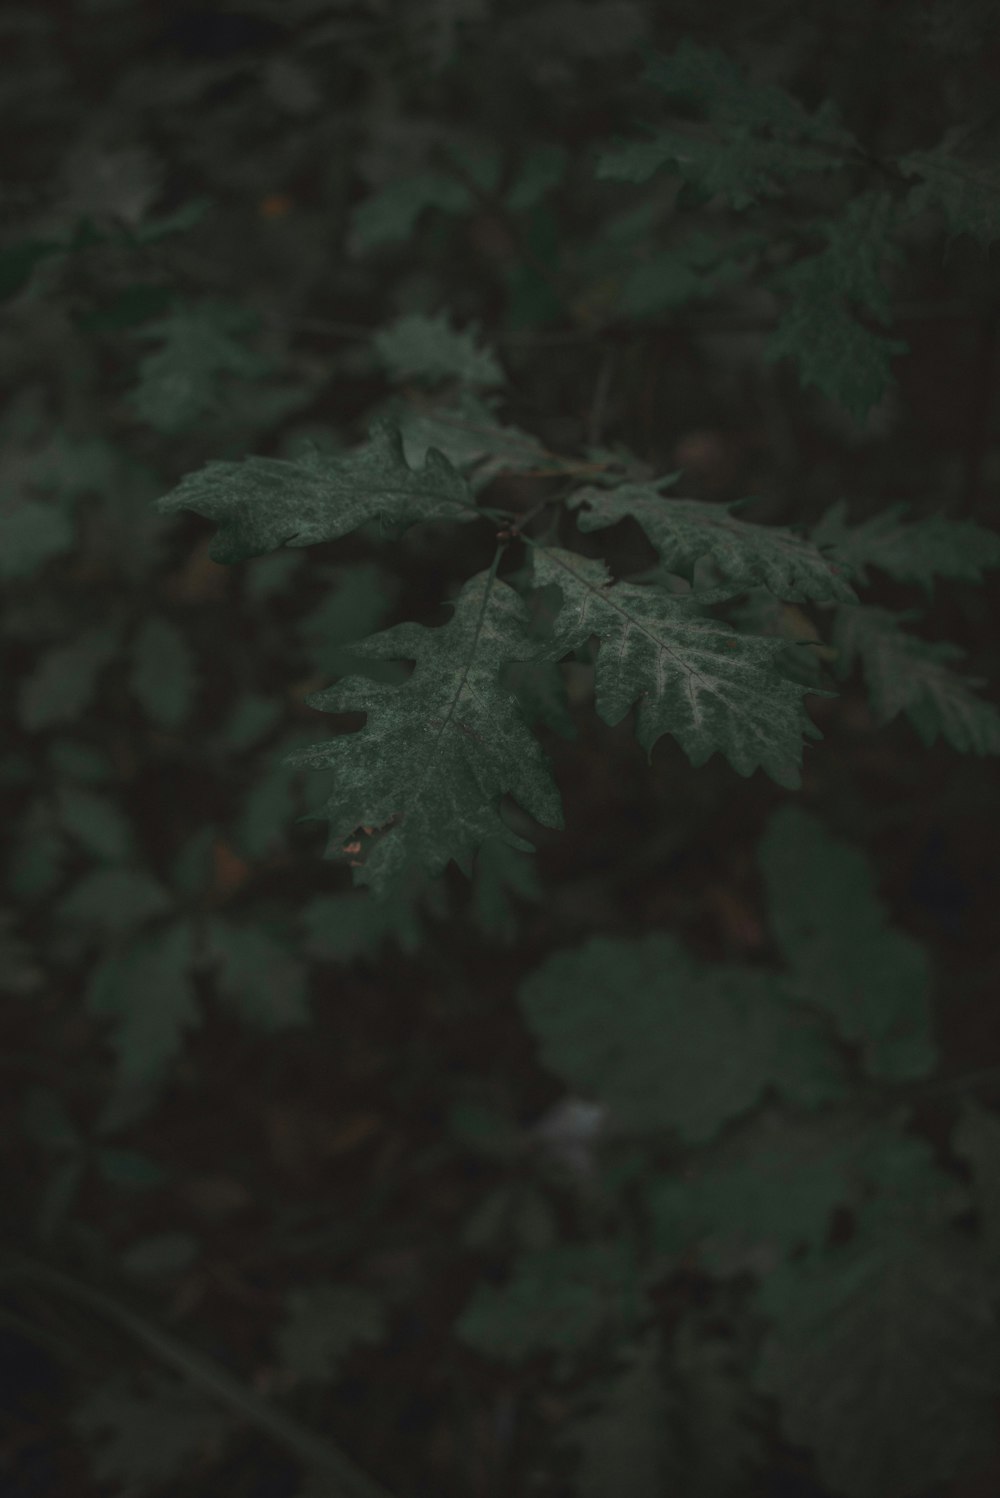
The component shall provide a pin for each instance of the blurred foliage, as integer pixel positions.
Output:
(647, 1158)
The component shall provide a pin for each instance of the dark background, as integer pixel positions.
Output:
(267, 1158)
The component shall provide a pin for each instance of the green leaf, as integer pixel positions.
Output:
(36, 866)
(831, 926)
(61, 465)
(263, 503)
(668, 1043)
(501, 871)
(883, 1359)
(819, 330)
(267, 812)
(323, 1323)
(96, 822)
(558, 1300)
(344, 928)
(258, 976)
(706, 77)
(357, 604)
(754, 1197)
(736, 165)
(760, 613)
(859, 249)
(470, 435)
(147, 991)
(163, 677)
(179, 384)
(847, 361)
(18, 261)
(717, 1441)
(31, 533)
(270, 576)
(252, 408)
(252, 717)
(625, 1432)
(730, 158)
(744, 555)
(690, 676)
(64, 682)
(543, 168)
(964, 190)
(431, 349)
(187, 216)
(191, 871)
(914, 551)
(389, 215)
(907, 1188)
(141, 1441)
(71, 759)
(697, 267)
(112, 902)
(906, 674)
(540, 688)
(427, 771)
(494, 1220)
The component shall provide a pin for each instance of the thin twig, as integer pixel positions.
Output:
(312, 1450)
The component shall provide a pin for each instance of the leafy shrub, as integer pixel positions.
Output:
(726, 1251)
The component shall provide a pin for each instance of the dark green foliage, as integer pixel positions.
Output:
(496, 434)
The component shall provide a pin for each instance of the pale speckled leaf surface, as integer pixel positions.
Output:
(747, 555)
(691, 676)
(429, 767)
(263, 503)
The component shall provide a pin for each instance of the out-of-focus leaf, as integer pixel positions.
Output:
(141, 1441)
(873, 980)
(147, 992)
(96, 821)
(259, 977)
(430, 349)
(323, 1322)
(111, 902)
(31, 533)
(163, 676)
(63, 684)
(180, 382)
(669, 1043)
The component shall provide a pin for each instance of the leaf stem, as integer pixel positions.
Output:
(312, 1450)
